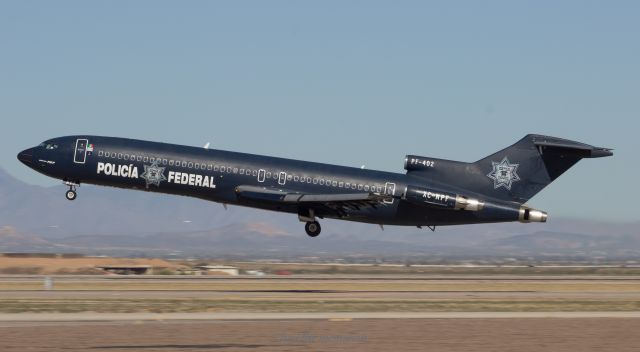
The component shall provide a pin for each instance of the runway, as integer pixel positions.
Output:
(442, 335)
(320, 312)
(36, 318)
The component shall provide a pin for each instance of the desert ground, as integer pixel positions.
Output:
(322, 312)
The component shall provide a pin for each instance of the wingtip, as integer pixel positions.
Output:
(601, 152)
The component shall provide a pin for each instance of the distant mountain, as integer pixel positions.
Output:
(115, 221)
(12, 240)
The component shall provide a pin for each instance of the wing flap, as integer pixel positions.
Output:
(337, 202)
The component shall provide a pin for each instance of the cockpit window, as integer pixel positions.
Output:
(48, 145)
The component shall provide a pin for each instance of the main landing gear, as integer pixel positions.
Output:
(312, 228)
(71, 193)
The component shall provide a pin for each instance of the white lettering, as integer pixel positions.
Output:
(128, 171)
(183, 178)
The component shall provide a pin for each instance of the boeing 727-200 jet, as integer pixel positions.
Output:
(433, 192)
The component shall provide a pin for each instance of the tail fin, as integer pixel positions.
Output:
(518, 172)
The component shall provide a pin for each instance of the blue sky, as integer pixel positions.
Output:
(346, 82)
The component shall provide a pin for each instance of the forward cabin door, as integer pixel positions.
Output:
(80, 155)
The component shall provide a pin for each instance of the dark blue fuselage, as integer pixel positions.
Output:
(218, 175)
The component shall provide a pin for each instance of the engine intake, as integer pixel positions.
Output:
(415, 163)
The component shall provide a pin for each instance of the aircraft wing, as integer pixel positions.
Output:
(340, 203)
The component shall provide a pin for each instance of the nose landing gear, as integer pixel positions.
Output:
(312, 228)
(71, 193)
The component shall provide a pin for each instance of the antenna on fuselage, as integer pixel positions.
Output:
(206, 146)
(362, 167)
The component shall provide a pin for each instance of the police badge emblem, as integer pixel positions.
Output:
(503, 174)
(153, 174)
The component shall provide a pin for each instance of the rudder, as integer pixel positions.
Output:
(520, 171)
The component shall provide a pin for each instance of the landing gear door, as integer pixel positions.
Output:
(80, 155)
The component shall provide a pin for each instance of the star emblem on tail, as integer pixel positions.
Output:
(504, 174)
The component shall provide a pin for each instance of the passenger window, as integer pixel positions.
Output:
(100, 153)
(171, 162)
(315, 181)
(126, 157)
(164, 161)
(235, 170)
(254, 173)
(341, 184)
(119, 155)
(308, 179)
(289, 177)
(353, 186)
(152, 159)
(366, 188)
(241, 171)
(334, 183)
(379, 189)
(228, 169)
(184, 164)
(321, 182)
(295, 178)
(209, 167)
(196, 166)
(347, 185)
(268, 174)
(190, 165)
(139, 158)
(215, 168)
(359, 187)
(146, 159)
(222, 168)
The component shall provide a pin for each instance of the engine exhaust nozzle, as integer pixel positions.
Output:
(527, 214)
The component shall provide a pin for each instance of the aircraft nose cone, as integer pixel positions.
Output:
(26, 156)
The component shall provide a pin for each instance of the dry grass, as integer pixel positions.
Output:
(330, 285)
(221, 305)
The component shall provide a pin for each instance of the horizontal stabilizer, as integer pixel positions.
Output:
(569, 148)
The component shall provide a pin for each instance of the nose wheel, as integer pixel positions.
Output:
(312, 228)
(71, 193)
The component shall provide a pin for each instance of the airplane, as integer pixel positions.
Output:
(433, 192)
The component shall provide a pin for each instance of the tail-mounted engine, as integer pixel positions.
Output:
(437, 198)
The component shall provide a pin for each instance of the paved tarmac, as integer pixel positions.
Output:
(223, 329)
(328, 335)
(89, 317)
